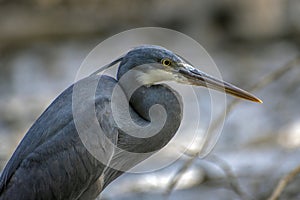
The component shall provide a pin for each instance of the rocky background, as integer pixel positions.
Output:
(253, 42)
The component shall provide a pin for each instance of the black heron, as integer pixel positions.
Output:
(51, 161)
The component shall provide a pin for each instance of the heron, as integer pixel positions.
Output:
(51, 161)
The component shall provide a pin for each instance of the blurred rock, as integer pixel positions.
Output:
(215, 20)
(260, 19)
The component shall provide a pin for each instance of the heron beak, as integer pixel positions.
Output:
(199, 78)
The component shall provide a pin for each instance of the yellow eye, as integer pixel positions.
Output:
(166, 62)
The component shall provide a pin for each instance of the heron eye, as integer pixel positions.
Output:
(166, 62)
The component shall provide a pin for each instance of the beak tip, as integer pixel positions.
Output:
(260, 101)
(257, 100)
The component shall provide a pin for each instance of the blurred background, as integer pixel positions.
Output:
(43, 43)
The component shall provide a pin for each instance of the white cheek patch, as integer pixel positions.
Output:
(154, 76)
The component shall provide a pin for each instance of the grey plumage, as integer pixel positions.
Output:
(51, 162)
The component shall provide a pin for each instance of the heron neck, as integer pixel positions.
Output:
(141, 101)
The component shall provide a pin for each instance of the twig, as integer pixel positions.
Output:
(266, 80)
(176, 178)
(231, 177)
(283, 183)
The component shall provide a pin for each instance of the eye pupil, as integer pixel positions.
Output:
(166, 62)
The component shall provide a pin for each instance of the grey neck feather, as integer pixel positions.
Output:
(141, 101)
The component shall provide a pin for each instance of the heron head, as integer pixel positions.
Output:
(154, 64)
